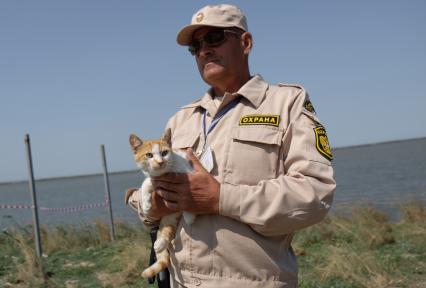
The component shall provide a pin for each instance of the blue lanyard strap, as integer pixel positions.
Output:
(218, 116)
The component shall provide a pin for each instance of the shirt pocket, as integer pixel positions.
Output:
(253, 154)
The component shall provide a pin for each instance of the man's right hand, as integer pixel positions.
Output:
(158, 209)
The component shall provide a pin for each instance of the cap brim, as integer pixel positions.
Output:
(184, 36)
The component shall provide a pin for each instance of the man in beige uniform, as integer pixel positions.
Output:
(267, 166)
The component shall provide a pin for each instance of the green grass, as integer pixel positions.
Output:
(364, 249)
(75, 257)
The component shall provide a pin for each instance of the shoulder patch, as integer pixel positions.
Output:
(321, 142)
(308, 106)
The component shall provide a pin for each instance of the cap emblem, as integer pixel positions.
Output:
(199, 17)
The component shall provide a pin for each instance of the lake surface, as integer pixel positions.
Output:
(383, 175)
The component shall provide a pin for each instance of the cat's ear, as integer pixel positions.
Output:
(167, 137)
(135, 142)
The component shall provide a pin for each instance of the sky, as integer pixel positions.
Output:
(78, 74)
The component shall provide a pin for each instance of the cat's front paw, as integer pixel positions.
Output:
(146, 207)
(160, 245)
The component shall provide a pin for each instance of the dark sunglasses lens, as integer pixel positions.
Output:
(194, 47)
(214, 38)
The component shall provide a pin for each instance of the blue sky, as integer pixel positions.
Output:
(78, 74)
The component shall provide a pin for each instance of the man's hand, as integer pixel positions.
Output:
(158, 209)
(196, 192)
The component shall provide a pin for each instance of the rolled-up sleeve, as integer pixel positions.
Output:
(134, 203)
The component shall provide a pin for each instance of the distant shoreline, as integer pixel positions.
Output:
(379, 143)
(71, 176)
(136, 170)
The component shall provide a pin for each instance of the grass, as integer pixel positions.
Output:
(75, 257)
(363, 249)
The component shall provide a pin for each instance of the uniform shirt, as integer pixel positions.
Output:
(272, 160)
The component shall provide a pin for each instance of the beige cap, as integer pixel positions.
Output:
(223, 15)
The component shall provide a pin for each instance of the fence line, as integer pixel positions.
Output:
(16, 206)
(36, 208)
(59, 209)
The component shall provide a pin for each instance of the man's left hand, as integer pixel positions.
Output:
(197, 192)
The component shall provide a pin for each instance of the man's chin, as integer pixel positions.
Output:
(212, 74)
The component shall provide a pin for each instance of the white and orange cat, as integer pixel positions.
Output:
(155, 157)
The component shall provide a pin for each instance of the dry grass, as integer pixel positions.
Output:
(364, 249)
(132, 260)
(72, 236)
(29, 272)
(414, 212)
(63, 240)
(360, 269)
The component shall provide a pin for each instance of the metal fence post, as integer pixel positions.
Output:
(107, 191)
(33, 196)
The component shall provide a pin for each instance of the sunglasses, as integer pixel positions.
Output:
(213, 38)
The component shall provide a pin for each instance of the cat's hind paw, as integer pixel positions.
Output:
(160, 245)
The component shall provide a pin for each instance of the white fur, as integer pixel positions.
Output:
(160, 245)
(177, 163)
(157, 154)
(145, 194)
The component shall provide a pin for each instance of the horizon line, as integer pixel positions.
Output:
(137, 170)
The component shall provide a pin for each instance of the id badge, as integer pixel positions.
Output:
(206, 159)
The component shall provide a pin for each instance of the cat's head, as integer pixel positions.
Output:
(152, 156)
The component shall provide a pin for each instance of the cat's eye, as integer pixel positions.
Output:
(164, 153)
(149, 155)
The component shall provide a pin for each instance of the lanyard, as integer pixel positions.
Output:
(217, 117)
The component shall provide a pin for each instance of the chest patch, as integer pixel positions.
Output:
(322, 144)
(260, 119)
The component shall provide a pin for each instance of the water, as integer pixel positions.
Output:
(383, 175)
(69, 192)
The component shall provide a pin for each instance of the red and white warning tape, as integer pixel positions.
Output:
(16, 206)
(64, 209)
(74, 209)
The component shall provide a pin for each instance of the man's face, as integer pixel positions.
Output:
(220, 64)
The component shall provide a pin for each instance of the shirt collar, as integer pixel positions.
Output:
(254, 91)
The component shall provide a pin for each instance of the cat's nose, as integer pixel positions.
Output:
(160, 163)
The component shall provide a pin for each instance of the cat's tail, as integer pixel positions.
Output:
(163, 261)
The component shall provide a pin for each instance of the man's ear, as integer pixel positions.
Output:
(247, 42)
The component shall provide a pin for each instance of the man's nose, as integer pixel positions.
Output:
(205, 50)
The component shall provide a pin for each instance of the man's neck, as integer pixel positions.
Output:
(231, 87)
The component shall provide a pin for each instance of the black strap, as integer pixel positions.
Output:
(163, 278)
